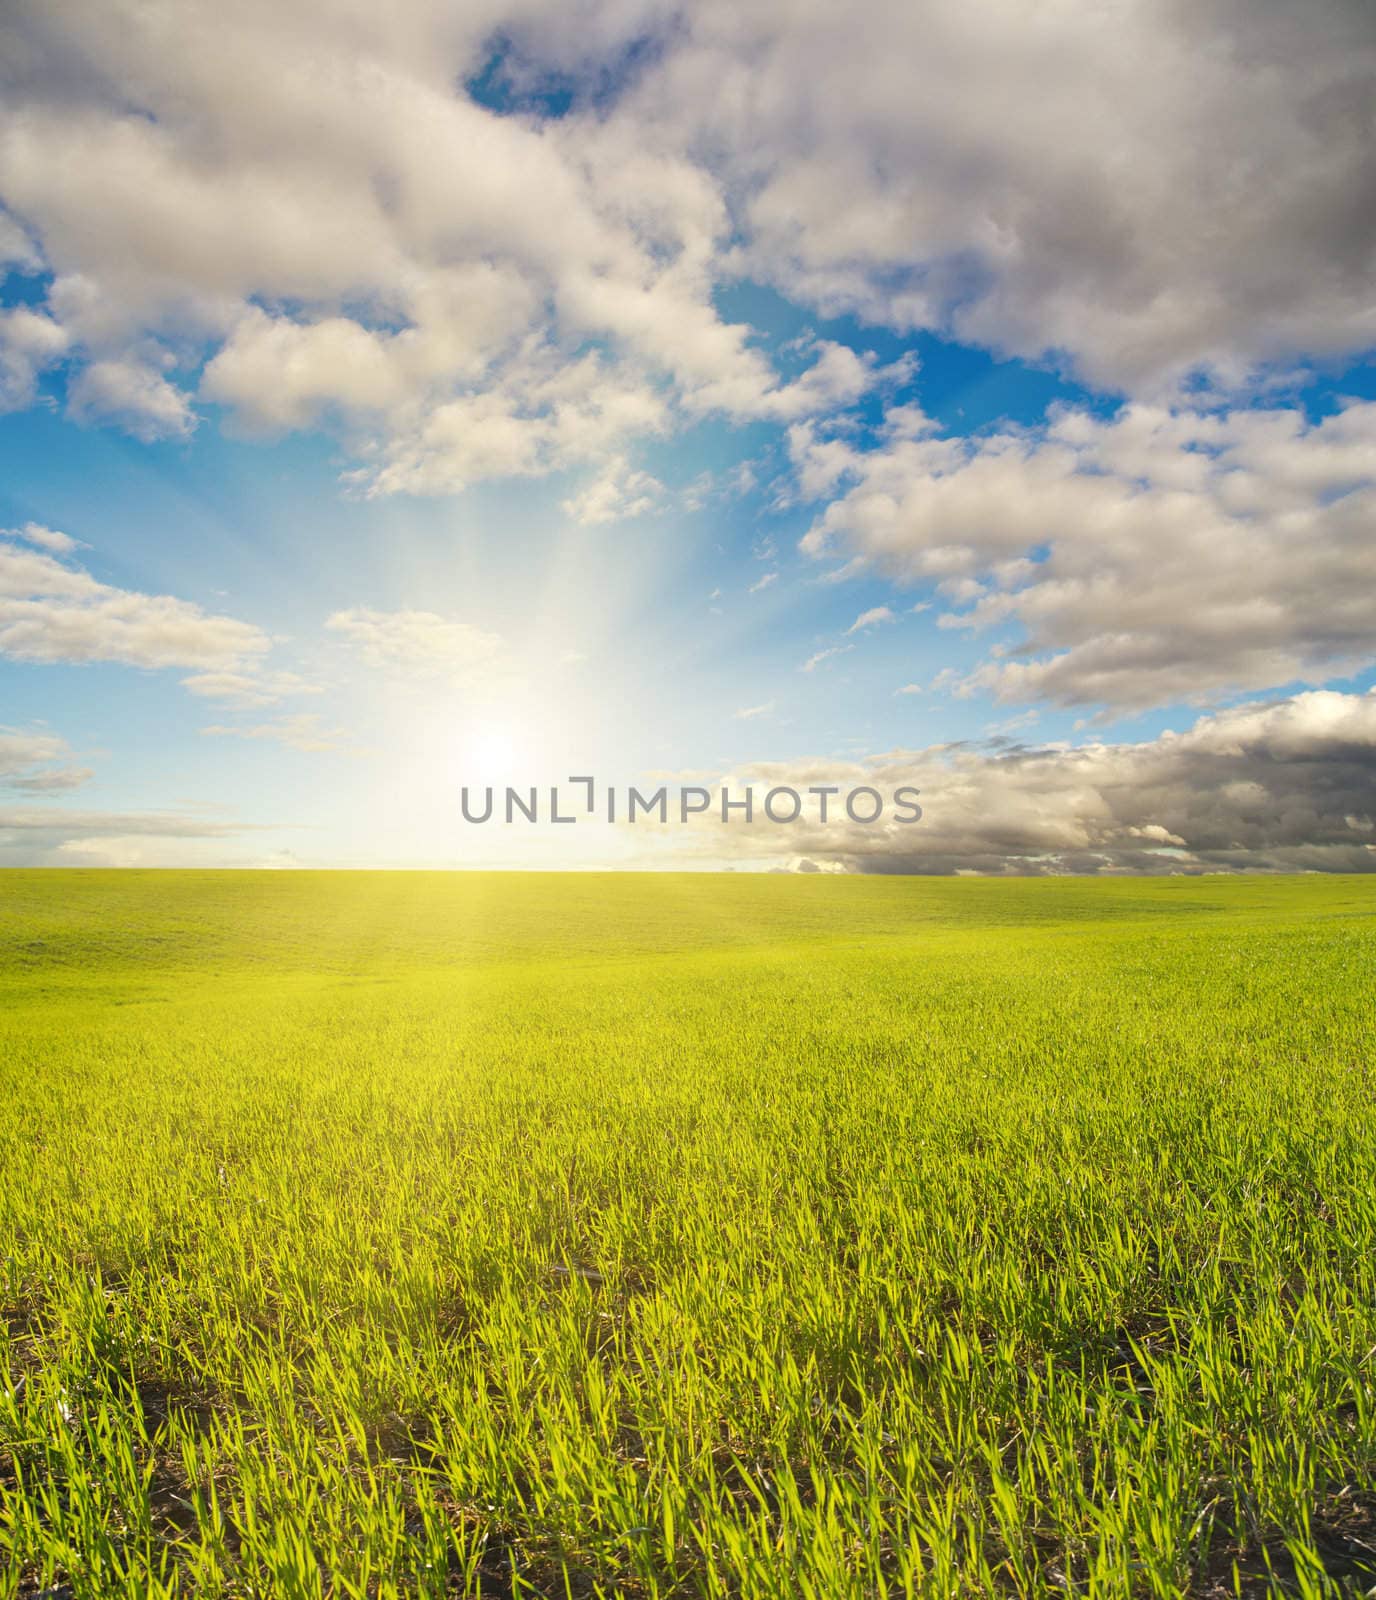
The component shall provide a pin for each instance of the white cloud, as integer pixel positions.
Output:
(316, 201)
(249, 688)
(17, 250)
(819, 463)
(358, 241)
(870, 619)
(281, 374)
(1001, 732)
(36, 763)
(1159, 555)
(132, 394)
(60, 544)
(55, 836)
(51, 611)
(815, 661)
(619, 491)
(302, 731)
(764, 581)
(418, 644)
(546, 412)
(749, 713)
(837, 378)
(118, 851)
(30, 341)
(1141, 187)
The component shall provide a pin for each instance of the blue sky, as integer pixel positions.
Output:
(560, 416)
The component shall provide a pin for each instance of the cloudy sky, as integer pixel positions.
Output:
(963, 393)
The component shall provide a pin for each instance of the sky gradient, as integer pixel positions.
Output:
(977, 397)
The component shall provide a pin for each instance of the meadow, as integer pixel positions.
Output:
(762, 1236)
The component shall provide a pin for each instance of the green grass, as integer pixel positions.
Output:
(765, 1236)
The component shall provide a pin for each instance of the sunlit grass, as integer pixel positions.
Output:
(407, 1234)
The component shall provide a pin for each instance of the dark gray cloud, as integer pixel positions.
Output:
(1288, 785)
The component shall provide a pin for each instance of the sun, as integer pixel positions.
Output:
(489, 753)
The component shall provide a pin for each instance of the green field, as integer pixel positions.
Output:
(402, 1234)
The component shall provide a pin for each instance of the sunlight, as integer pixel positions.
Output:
(490, 752)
